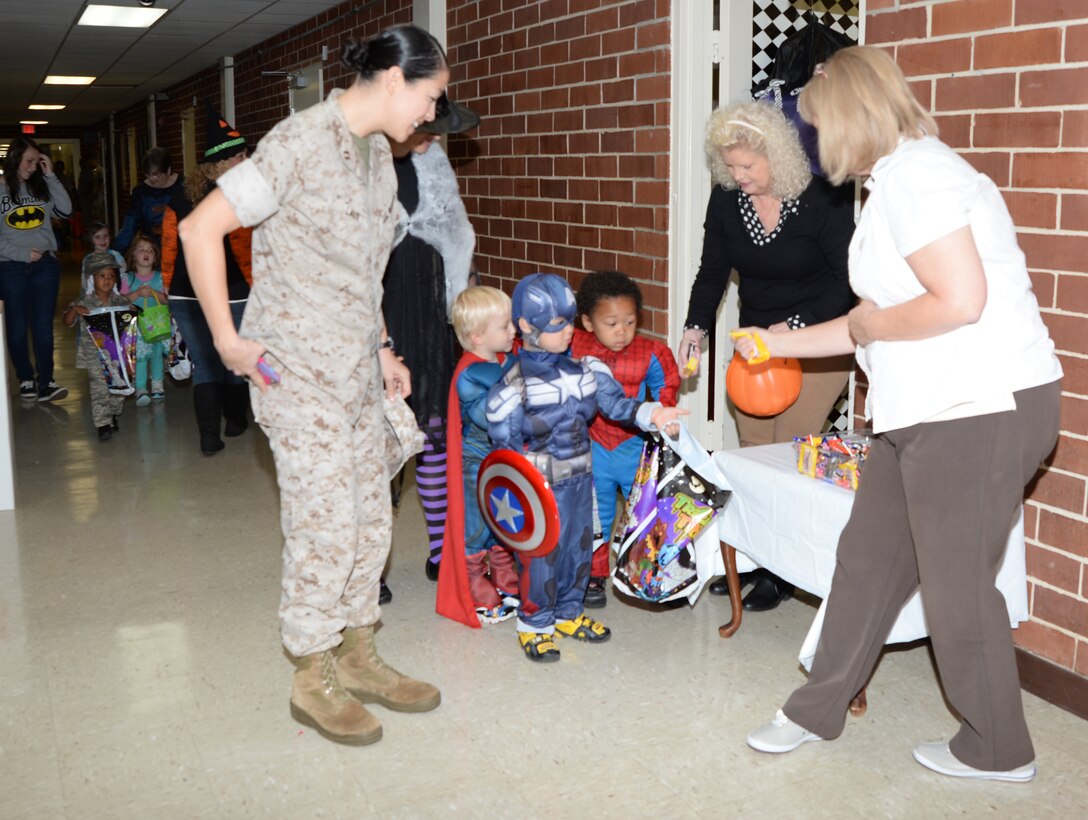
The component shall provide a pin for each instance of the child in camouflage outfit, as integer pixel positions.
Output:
(105, 406)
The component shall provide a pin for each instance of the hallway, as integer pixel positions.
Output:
(143, 676)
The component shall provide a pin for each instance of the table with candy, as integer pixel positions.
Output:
(784, 520)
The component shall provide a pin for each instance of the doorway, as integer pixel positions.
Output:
(727, 45)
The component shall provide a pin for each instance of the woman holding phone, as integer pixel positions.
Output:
(30, 196)
(321, 194)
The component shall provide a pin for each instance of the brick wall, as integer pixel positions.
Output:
(261, 102)
(568, 171)
(1008, 83)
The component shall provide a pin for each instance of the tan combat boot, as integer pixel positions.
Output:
(371, 680)
(320, 702)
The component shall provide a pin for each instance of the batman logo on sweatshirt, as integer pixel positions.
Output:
(26, 218)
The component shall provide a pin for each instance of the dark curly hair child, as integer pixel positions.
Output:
(606, 284)
(609, 304)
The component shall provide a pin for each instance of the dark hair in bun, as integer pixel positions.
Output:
(414, 51)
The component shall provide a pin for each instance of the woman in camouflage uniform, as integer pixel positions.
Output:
(321, 192)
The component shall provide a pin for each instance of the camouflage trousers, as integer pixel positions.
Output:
(336, 516)
(104, 404)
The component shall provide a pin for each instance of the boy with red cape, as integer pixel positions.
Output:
(477, 578)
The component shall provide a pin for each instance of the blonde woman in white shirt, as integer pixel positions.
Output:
(964, 400)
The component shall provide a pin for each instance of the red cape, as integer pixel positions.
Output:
(453, 599)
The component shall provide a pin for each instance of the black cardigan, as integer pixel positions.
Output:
(802, 272)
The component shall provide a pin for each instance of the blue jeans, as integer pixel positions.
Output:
(207, 366)
(29, 293)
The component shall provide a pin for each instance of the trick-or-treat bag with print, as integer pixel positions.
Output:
(177, 360)
(113, 331)
(154, 322)
(668, 507)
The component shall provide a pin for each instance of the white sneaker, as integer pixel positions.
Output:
(780, 735)
(142, 399)
(939, 758)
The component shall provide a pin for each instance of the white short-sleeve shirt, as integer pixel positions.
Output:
(920, 192)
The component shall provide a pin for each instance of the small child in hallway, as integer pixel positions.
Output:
(477, 578)
(105, 406)
(609, 304)
(145, 289)
(541, 408)
(97, 236)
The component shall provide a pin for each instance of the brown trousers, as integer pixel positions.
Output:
(822, 382)
(934, 508)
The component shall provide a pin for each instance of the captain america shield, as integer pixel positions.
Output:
(517, 504)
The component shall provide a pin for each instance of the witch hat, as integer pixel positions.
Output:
(450, 118)
(223, 140)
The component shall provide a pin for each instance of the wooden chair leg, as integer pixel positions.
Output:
(859, 704)
(732, 579)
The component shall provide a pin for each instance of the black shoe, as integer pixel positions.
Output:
(431, 569)
(768, 593)
(105, 432)
(596, 594)
(721, 586)
(385, 594)
(114, 425)
(52, 392)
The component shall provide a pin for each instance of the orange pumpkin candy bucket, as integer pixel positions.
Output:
(763, 389)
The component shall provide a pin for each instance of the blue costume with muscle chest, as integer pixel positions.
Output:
(542, 408)
(464, 594)
(472, 388)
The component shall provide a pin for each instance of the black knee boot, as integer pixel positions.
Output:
(208, 402)
(235, 409)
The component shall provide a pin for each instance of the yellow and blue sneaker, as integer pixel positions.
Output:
(539, 646)
(584, 628)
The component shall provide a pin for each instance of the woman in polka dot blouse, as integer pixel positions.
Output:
(786, 233)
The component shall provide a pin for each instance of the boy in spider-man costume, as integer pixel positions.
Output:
(609, 304)
(541, 408)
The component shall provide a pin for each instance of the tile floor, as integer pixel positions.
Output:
(142, 674)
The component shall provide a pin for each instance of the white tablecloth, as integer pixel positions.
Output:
(790, 524)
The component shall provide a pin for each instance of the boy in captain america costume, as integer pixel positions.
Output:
(609, 304)
(541, 408)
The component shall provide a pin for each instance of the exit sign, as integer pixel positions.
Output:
(29, 129)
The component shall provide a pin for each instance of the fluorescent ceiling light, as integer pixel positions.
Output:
(43, 107)
(33, 122)
(60, 79)
(120, 16)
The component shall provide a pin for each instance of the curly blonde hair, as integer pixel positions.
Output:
(196, 184)
(762, 129)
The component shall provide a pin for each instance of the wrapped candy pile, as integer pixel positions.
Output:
(833, 457)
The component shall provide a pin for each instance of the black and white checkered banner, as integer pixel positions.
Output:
(775, 20)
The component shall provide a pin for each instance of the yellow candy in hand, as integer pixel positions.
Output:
(762, 354)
